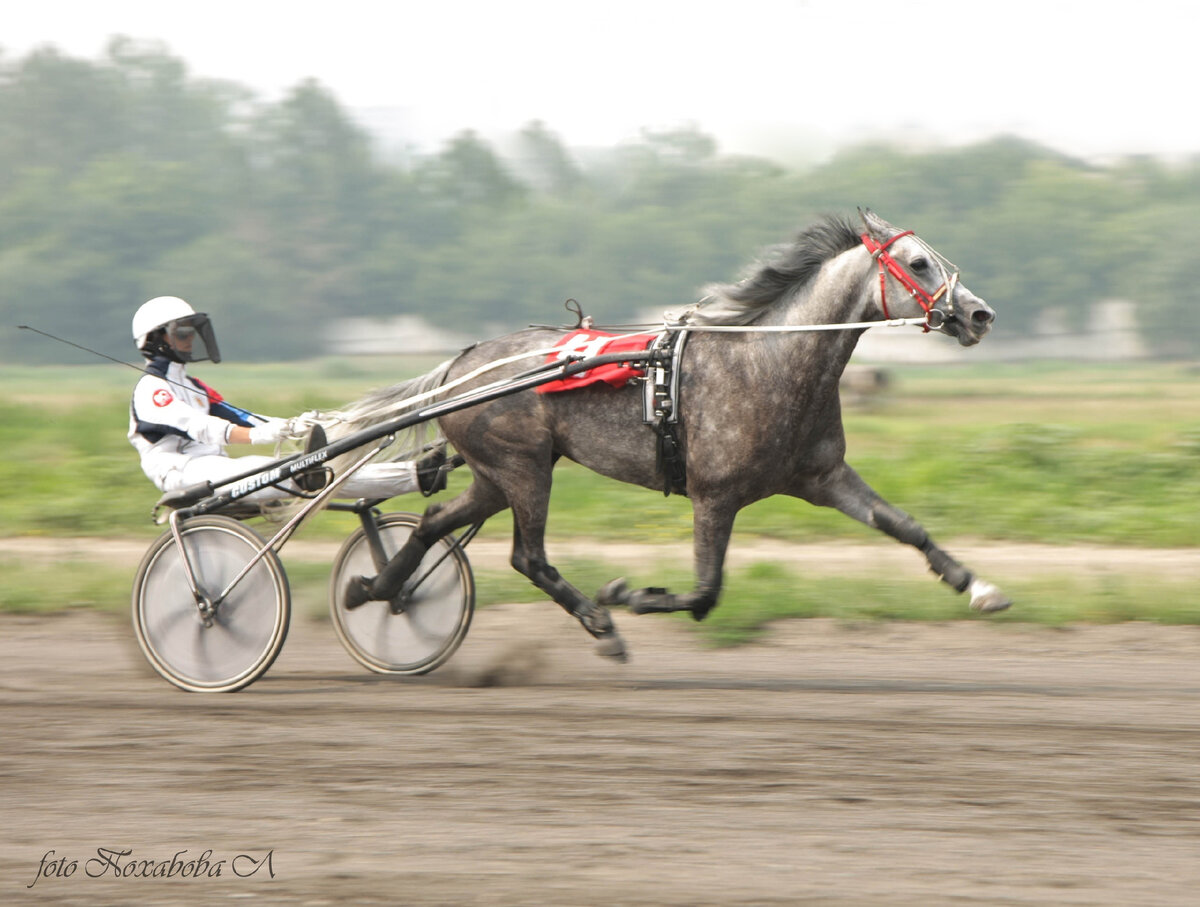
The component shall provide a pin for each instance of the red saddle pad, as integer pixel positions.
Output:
(596, 343)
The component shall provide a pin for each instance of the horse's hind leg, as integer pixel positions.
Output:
(480, 501)
(845, 490)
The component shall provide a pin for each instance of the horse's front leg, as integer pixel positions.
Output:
(713, 526)
(845, 490)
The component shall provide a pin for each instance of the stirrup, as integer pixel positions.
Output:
(432, 470)
(314, 479)
(438, 482)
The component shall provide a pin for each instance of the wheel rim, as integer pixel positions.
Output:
(435, 620)
(247, 630)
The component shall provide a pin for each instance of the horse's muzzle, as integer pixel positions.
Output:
(968, 322)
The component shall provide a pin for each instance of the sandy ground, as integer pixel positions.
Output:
(888, 764)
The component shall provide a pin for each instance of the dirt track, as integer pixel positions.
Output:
(879, 764)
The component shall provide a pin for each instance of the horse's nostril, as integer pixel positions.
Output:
(983, 316)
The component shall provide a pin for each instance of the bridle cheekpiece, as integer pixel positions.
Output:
(927, 301)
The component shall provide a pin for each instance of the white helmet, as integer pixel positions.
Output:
(164, 315)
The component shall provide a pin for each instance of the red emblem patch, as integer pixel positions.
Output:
(162, 397)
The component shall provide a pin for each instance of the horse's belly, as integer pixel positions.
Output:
(602, 429)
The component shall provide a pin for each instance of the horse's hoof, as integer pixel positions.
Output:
(986, 598)
(612, 646)
(615, 592)
(356, 593)
(596, 620)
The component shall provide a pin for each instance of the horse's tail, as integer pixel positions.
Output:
(387, 403)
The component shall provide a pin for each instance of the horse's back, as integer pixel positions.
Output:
(598, 426)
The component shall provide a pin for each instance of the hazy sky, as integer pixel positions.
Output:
(772, 76)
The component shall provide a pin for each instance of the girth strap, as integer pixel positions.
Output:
(660, 409)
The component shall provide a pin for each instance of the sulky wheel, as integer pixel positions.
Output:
(236, 642)
(435, 608)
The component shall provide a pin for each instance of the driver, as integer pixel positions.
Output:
(180, 426)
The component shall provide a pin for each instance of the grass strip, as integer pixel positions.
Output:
(753, 597)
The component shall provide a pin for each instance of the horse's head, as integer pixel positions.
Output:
(912, 274)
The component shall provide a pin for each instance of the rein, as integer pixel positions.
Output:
(330, 419)
(794, 328)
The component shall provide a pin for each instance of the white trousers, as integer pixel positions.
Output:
(375, 480)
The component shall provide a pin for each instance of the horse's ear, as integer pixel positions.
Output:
(879, 228)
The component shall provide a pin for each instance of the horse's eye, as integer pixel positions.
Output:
(919, 264)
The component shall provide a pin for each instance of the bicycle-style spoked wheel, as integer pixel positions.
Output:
(245, 632)
(436, 609)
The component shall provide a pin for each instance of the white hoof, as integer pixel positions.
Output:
(986, 598)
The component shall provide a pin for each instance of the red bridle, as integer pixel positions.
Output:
(889, 265)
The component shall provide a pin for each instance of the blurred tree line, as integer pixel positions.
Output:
(125, 178)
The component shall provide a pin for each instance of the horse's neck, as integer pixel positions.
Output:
(837, 295)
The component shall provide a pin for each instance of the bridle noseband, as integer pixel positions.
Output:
(889, 265)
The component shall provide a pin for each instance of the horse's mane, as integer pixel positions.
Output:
(783, 268)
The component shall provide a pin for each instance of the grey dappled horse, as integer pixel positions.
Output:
(759, 415)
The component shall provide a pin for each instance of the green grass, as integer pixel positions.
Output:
(1061, 455)
(765, 592)
(42, 588)
(754, 596)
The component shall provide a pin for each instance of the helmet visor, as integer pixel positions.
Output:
(192, 338)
